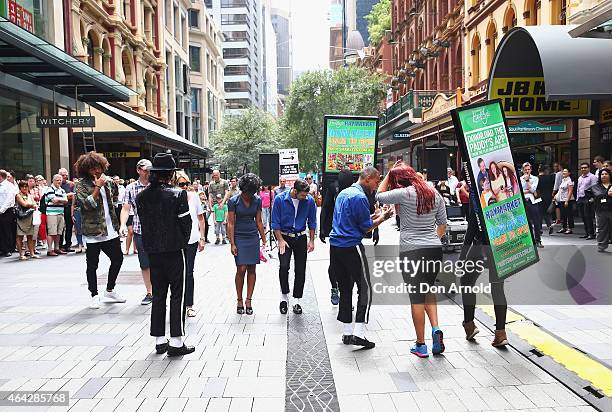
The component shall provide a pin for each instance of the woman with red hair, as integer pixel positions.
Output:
(423, 222)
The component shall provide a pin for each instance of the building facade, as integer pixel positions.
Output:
(362, 9)
(242, 25)
(335, 34)
(270, 103)
(206, 74)
(123, 41)
(281, 21)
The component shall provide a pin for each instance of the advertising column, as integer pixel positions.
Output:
(483, 136)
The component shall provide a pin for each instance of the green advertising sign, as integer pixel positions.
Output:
(483, 138)
(349, 141)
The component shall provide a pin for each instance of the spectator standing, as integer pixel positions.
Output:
(130, 210)
(204, 202)
(78, 223)
(196, 239)
(282, 186)
(233, 188)
(220, 211)
(68, 187)
(216, 187)
(293, 213)
(8, 224)
(558, 179)
(452, 182)
(529, 184)
(546, 182)
(37, 192)
(55, 199)
(163, 211)
(25, 206)
(33, 190)
(313, 189)
(463, 195)
(598, 164)
(565, 199)
(584, 201)
(245, 229)
(603, 205)
(351, 221)
(121, 199)
(265, 194)
(96, 194)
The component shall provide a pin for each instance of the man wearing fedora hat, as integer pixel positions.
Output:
(165, 223)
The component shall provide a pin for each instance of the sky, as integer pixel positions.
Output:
(310, 34)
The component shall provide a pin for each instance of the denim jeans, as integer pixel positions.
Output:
(77, 226)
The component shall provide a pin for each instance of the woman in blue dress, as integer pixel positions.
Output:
(244, 229)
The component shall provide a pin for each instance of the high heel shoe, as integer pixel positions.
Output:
(249, 309)
(240, 308)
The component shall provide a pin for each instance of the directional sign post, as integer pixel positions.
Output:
(288, 165)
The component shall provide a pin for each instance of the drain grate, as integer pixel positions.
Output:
(310, 382)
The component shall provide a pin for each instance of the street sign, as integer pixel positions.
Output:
(288, 163)
(482, 134)
(46, 122)
(120, 155)
(401, 135)
(532, 126)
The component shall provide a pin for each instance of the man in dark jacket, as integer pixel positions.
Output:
(166, 226)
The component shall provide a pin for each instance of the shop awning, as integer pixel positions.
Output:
(28, 57)
(572, 68)
(173, 140)
(600, 25)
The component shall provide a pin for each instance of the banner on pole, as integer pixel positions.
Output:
(482, 132)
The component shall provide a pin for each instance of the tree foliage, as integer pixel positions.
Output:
(242, 138)
(379, 20)
(348, 91)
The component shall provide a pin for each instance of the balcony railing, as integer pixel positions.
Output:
(416, 100)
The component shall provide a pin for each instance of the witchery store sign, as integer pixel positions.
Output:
(65, 121)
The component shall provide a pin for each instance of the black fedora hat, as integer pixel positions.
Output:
(163, 162)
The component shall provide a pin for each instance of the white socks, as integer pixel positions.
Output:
(347, 329)
(176, 342)
(359, 330)
(160, 340)
(284, 297)
(297, 300)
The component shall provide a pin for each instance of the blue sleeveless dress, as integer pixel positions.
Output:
(246, 234)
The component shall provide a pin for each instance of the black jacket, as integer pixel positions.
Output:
(345, 179)
(165, 222)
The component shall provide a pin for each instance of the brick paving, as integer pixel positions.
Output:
(50, 340)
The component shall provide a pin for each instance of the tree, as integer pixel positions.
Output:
(379, 20)
(242, 138)
(348, 91)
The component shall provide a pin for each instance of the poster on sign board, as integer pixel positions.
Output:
(482, 134)
(349, 142)
(289, 165)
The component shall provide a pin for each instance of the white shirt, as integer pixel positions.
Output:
(195, 210)
(296, 202)
(533, 187)
(313, 189)
(121, 198)
(452, 183)
(110, 230)
(7, 195)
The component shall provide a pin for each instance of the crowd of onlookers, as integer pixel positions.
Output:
(553, 195)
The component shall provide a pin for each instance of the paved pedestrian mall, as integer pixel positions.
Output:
(51, 340)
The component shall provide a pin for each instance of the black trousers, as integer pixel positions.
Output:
(168, 270)
(190, 251)
(535, 219)
(112, 249)
(299, 248)
(8, 231)
(546, 217)
(567, 214)
(67, 241)
(333, 280)
(206, 226)
(351, 267)
(587, 214)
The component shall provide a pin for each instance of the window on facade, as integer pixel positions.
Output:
(240, 53)
(237, 87)
(491, 42)
(177, 73)
(184, 32)
(177, 27)
(90, 50)
(237, 70)
(194, 58)
(475, 52)
(196, 97)
(234, 3)
(208, 3)
(186, 85)
(558, 11)
(194, 18)
(126, 10)
(236, 36)
(212, 112)
(234, 19)
(168, 13)
(238, 103)
(531, 13)
(187, 119)
(179, 115)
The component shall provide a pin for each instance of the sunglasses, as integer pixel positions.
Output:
(183, 184)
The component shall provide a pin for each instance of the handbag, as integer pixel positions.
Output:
(22, 212)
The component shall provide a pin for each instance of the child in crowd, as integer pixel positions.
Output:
(220, 211)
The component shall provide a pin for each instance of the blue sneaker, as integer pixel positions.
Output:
(335, 298)
(437, 336)
(420, 351)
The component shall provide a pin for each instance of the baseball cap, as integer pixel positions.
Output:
(144, 164)
(218, 196)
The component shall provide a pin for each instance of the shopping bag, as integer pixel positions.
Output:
(36, 219)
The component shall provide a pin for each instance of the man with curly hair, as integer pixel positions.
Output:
(96, 194)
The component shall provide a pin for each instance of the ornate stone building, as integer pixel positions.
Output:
(121, 38)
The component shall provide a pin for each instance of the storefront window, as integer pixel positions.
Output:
(21, 148)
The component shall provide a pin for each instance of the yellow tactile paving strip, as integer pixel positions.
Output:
(586, 368)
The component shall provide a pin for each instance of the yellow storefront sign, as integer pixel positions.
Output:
(525, 97)
(605, 111)
(120, 155)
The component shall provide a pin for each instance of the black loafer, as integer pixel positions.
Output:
(283, 307)
(357, 341)
(297, 309)
(183, 350)
(346, 339)
(161, 348)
